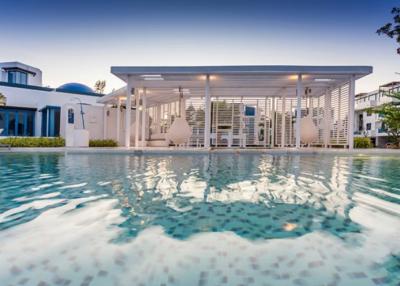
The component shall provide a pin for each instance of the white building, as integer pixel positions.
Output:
(369, 124)
(30, 109)
(213, 106)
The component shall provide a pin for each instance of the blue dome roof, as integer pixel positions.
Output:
(75, 87)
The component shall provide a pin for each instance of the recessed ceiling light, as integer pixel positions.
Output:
(323, 79)
(150, 75)
(153, 78)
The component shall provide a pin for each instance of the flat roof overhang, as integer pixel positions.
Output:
(232, 81)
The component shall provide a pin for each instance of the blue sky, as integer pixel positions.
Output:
(79, 40)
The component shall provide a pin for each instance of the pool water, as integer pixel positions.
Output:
(218, 219)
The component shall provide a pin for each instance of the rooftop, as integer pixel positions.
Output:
(258, 81)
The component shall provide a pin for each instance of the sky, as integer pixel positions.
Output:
(78, 41)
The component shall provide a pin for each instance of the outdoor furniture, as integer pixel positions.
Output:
(390, 146)
(180, 131)
(158, 140)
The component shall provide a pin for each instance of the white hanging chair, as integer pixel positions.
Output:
(180, 131)
(309, 132)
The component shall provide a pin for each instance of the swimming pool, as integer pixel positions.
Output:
(211, 219)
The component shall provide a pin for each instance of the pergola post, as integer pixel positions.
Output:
(128, 114)
(350, 121)
(118, 118)
(137, 117)
(273, 122)
(283, 125)
(327, 117)
(207, 110)
(105, 121)
(144, 103)
(299, 93)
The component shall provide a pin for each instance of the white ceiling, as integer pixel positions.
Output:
(161, 83)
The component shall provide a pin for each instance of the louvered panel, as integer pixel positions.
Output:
(195, 117)
(339, 107)
(316, 107)
(343, 139)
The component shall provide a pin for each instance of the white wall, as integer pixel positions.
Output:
(93, 116)
(32, 79)
(24, 97)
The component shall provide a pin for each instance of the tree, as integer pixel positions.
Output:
(392, 30)
(391, 117)
(99, 86)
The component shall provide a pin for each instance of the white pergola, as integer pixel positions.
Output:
(152, 86)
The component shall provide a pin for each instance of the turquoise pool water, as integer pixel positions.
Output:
(220, 219)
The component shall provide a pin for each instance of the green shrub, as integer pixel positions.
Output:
(34, 141)
(103, 143)
(362, 142)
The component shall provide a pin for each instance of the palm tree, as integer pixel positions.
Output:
(99, 86)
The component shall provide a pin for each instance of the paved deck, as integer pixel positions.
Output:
(174, 150)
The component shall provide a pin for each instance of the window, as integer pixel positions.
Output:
(17, 122)
(51, 121)
(368, 126)
(360, 122)
(18, 77)
(29, 126)
(369, 113)
(2, 123)
(11, 124)
(20, 123)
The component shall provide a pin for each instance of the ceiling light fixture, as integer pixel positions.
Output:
(323, 79)
(152, 77)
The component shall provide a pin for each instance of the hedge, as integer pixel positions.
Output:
(362, 142)
(103, 143)
(33, 141)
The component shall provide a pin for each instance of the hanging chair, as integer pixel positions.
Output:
(309, 132)
(180, 131)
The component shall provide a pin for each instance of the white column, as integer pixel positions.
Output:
(283, 125)
(105, 121)
(158, 112)
(273, 123)
(265, 122)
(128, 114)
(207, 110)
(327, 118)
(299, 93)
(118, 119)
(350, 127)
(143, 133)
(137, 117)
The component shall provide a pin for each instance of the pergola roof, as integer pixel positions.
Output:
(162, 83)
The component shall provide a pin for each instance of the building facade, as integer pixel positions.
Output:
(27, 108)
(369, 124)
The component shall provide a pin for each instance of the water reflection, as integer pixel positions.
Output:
(220, 218)
(187, 195)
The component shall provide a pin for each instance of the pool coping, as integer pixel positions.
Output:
(191, 151)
